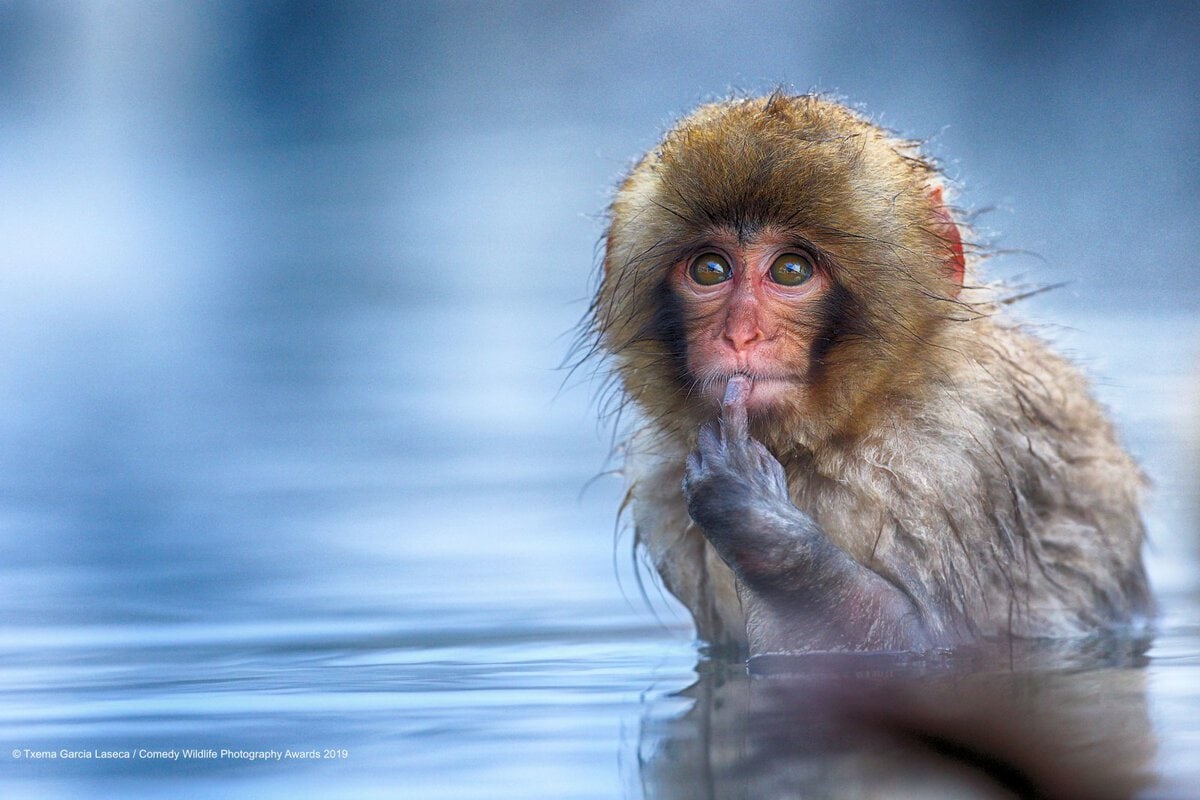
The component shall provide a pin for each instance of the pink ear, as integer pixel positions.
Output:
(947, 231)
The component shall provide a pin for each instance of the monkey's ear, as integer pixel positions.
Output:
(945, 229)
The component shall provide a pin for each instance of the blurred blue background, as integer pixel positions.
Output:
(286, 458)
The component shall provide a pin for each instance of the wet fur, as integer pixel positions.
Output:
(938, 444)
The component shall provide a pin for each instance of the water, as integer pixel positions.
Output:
(286, 462)
(445, 619)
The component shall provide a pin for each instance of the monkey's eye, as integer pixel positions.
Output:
(710, 269)
(792, 269)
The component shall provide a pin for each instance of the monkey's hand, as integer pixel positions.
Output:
(737, 491)
(799, 590)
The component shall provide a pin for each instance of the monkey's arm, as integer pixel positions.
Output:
(800, 592)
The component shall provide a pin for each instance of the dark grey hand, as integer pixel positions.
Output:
(800, 591)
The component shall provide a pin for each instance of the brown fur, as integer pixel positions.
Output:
(936, 443)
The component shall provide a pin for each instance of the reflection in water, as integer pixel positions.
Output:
(1036, 724)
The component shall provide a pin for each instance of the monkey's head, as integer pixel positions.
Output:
(787, 239)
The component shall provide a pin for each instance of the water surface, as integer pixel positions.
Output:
(448, 615)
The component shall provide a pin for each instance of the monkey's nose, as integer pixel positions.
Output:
(742, 336)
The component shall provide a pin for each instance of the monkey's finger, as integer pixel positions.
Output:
(733, 408)
(695, 466)
(710, 440)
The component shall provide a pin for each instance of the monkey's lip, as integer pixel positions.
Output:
(753, 378)
(761, 390)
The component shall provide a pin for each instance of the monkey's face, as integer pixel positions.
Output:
(788, 240)
(752, 307)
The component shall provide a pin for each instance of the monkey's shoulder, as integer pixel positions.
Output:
(1037, 410)
(1014, 368)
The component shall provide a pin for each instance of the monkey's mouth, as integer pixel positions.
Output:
(763, 392)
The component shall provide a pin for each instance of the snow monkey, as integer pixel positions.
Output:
(844, 444)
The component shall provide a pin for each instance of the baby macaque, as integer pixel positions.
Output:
(844, 445)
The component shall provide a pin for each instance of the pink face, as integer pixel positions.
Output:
(744, 306)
